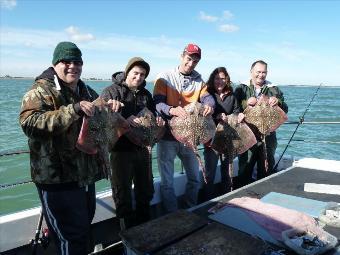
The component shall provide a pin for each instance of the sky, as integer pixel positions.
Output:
(299, 40)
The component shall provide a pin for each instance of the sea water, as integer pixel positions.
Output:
(310, 140)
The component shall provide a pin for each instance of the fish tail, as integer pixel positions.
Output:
(202, 166)
(149, 158)
(231, 173)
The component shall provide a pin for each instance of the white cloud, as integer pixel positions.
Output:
(227, 15)
(32, 38)
(228, 28)
(207, 18)
(8, 4)
(76, 36)
(26, 52)
(111, 50)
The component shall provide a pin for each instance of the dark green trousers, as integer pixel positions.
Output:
(127, 168)
(255, 155)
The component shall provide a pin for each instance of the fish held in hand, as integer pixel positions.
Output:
(100, 132)
(263, 118)
(232, 138)
(194, 129)
(147, 133)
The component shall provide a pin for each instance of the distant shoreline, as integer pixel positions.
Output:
(106, 80)
(32, 78)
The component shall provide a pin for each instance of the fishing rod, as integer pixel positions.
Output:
(41, 235)
(13, 153)
(35, 240)
(313, 122)
(301, 120)
(11, 185)
(312, 141)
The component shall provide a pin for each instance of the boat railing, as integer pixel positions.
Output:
(301, 121)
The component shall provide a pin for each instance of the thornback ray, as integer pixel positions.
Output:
(231, 139)
(264, 119)
(147, 133)
(100, 132)
(194, 129)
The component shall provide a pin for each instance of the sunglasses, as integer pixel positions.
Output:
(76, 63)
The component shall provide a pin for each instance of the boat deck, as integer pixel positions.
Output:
(211, 237)
(208, 240)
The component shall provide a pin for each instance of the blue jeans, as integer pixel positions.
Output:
(166, 153)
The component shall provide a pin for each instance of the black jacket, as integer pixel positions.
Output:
(227, 105)
(134, 102)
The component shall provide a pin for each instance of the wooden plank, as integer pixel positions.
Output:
(156, 234)
(216, 239)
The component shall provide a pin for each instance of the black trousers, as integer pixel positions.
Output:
(127, 168)
(68, 214)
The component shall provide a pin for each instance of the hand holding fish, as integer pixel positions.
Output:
(160, 122)
(240, 117)
(223, 117)
(273, 101)
(251, 101)
(178, 112)
(87, 107)
(207, 110)
(134, 121)
(115, 105)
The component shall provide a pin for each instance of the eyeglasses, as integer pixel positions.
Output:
(76, 63)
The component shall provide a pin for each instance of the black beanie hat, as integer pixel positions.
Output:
(137, 61)
(66, 51)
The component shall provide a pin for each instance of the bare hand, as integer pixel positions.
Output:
(115, 105)
(251, 101)
(240, 117)
(134, 121)
(223, 117)
(207, 110)
(178, 111)
(160, 122)
(87, 107)
(273, 101)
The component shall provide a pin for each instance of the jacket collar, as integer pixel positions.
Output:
(194, 74)
(266, 83)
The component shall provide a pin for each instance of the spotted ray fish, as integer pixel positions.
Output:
(232, 138)
(100, 132)
(263, 119)
(194, 129)
(147, 134)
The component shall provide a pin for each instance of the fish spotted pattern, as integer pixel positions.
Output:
(194, 129)
(100, 132)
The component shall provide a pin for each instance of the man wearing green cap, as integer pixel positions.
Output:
(51, 116)
(129, 161)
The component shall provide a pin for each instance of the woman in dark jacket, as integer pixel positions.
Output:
(219, 86)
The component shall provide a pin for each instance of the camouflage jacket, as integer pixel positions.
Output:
(246, 90)
(49, 119)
